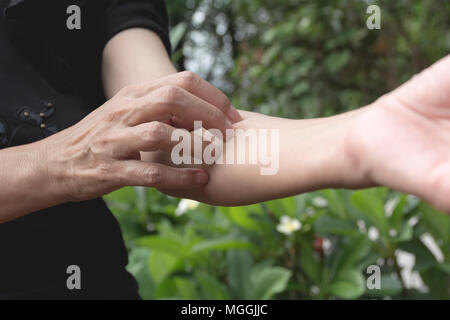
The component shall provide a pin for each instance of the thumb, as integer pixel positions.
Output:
(145, 174)
(428, 91)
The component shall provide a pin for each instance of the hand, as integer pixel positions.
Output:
(102, 152)
(403, 139)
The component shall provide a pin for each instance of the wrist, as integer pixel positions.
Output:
(328, 154)
(353, 170)
(51, 179)
(27, 186)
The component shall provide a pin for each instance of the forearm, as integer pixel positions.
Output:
(25, 185)
(318, 154)
(134, 56)
(313, 154)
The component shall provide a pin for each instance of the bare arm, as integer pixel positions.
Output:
(401, 141)
(25, 186)
(133, 56)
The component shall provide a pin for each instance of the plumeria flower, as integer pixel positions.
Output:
(288, 225)
(185, 205)
(320, 202)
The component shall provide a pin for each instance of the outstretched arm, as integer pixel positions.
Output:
(401, 141)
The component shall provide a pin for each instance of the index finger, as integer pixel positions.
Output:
(201, 88)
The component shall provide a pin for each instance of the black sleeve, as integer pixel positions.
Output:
(119, 15)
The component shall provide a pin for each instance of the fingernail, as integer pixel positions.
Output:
(201, 177)
(234, 115)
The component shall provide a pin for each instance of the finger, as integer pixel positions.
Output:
(429, 88)
(201, 88)
(159, 136)
(139, 173)
(170, 101)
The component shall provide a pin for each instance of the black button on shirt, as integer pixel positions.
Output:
(50, 78)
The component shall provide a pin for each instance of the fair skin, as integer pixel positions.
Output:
(118, 144)
(401, 141)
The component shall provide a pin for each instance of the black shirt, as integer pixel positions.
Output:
(50, 78)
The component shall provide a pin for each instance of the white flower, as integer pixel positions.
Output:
(326, 246)
(390, 206)
(411, 277)
(288, 225)
(361, 225)
(393, 233)
(373, 233)
(184, 205)
(310, 211)
(320, 202)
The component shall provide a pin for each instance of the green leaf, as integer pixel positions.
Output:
(282, 207)
(186, 288)
(349, 285)
(220, 244)
(436, 222)
(335, 203)
(240, 264)
(211, 287)
(397, 215)
(308, 262)
(241, 216)
(389, 286)
(268, 282)
(167, 290)
(325, 225)
(270, 35)
(167, 245)
(300, 88)
(271, 54)
(424, 258)
(405, 234)
(124, 195)
(370, 202)
(137, 266)
(337, 60)
(354, 251)
(161, 265)
(177, 33)
(444, 267)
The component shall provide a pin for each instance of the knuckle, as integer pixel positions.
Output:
(154, 132)
(114, 115)
(154, 175)
(105, 146)
(225, 102)
(188, 79)
(130, 90)
(105, 173)
(170, 94)
(104, 169)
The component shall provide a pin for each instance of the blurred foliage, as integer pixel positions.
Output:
(207, 252)
(300, 59)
